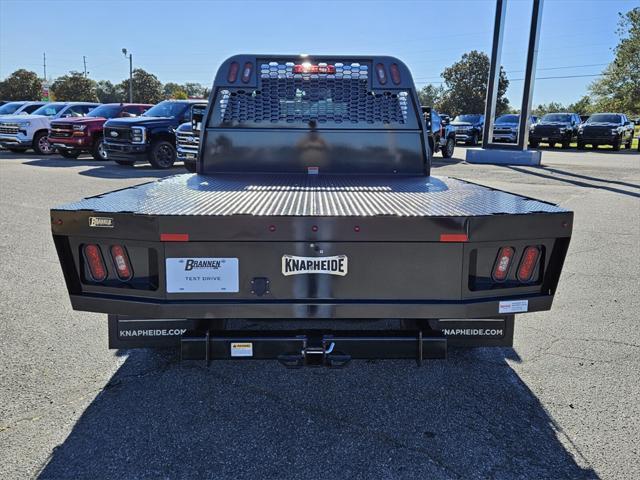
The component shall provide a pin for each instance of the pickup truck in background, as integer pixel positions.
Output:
(150, 137)
(313, 232)
(19, 108)
(555, 128)
(505, 128)
(441, 135)
(188, 137)
(72, 136)
(613, 129)
(468, 128)
(18, 133)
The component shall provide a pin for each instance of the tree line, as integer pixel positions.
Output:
(75, 86)
(464, 88)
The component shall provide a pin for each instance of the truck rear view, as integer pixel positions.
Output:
(312, 231)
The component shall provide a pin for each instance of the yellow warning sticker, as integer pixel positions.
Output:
(241, 349)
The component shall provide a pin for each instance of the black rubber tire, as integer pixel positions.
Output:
(162, 155)
(191, 166)
(534, 143)
(474, 140)
(17, 150)
(580, 146)
(125, 163)
(447, 151)
(616, 145)
(594, 147)
(69, 153)
(39, 141)
(97, 150)
(565, 144)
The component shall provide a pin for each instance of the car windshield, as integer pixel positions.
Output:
(604, 118)
(105, 111)
(507, 119)
(49, 110)
(467, 119)
(9, 108)
(557, 117)
(165, 109)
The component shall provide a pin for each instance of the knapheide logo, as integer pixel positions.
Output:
(336, 265)
(105, 222)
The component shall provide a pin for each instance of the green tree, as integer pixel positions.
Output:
(21, 85)
(430, 95)
(74, 87)
(194, 90)
(466, 85)
(551, 107)
(146, 87)
(107, 92)
(584, 106)
(175, 91)
(619, 88)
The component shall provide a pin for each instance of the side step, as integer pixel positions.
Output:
(294, 350)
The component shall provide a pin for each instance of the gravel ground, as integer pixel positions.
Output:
(562, 403)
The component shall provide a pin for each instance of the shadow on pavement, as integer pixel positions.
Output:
(106, 169)
(468, 416)
(588, 177)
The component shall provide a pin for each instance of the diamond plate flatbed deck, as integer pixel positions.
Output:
(311, 195)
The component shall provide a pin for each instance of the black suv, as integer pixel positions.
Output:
(613, 129)
(149, 137)
(468, 128)
(555, 128)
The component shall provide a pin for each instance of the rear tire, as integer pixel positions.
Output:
(565, 144)
(474, 140)
(125, 163)
(580, 146)
(98, 151)
(41, 144)
(616, 145)
(534, 143)
(69, 153)
(450, 146)
(163, 155)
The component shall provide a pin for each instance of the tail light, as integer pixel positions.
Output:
(246, 72)
(314, 69)
(395, 73)
(528, 264)
(381, 73)
(121, 261)
(233, 72)
(503, 263)
(95, 262)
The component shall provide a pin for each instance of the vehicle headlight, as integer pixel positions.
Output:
(24, 125)
(563, 129)
(138, 134)
(614, 131)
(79, 128)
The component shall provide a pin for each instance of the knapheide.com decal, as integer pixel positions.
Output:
(473, 332)
(159, 332)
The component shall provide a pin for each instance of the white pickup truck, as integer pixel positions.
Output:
(21, 132)
(19, 108)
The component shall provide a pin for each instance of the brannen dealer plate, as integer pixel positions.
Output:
(202, 275)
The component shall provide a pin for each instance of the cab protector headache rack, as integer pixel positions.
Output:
(313, 202)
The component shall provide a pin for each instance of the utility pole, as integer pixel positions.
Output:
(124, 52)
(44, 65)
(84, 60)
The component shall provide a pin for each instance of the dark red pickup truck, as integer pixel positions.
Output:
(72, 136)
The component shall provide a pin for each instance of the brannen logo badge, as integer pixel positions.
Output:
(105, 222)
(336, 265)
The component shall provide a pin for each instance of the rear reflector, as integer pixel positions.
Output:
(395, 73)
(528, 264)
(233, 72)
(97, 268)
(121, 261)
(454, 237)
(174, 237)
(381, 73)
(502, 265)
(308, 68)
(246, 72)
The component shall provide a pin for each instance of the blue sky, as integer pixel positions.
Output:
(183, 41)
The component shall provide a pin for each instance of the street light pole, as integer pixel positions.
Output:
(124, 52)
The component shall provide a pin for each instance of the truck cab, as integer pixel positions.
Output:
(555, 128)
(313, 218)
(149, 137)
(72, 136)
(19, 108)
(613, 129)
(21, 132)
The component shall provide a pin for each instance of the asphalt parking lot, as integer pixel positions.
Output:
(564, 402)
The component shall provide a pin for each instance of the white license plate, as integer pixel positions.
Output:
(545, 139)
(202, 275)
(190, 155)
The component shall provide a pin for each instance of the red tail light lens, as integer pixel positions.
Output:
(233, 72)
(395, 73)
(314, 69)
(246, 72)
(381, 73)
(528, 264)
(121, 261)
(503, 263)
(97, 268)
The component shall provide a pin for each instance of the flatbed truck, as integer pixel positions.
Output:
(312, 231)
